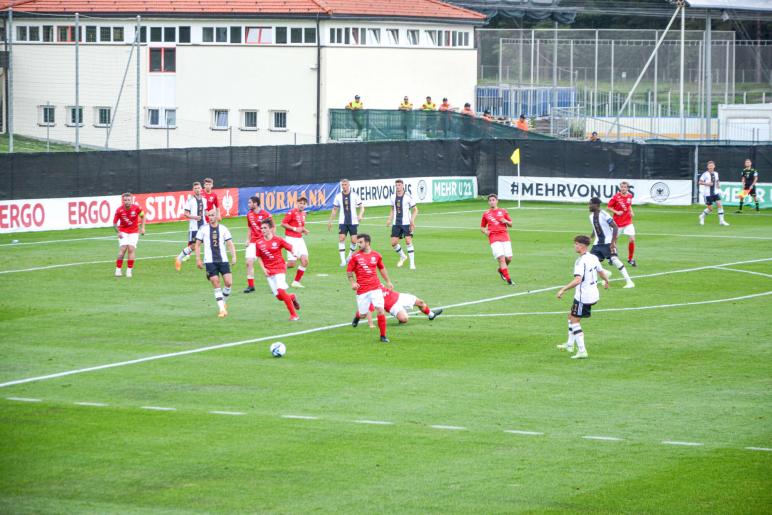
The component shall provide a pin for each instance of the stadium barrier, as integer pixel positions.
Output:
(730, 194)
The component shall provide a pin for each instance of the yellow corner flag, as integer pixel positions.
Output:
(515, 157)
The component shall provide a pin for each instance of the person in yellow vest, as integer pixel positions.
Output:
(445, 105)
(356, 106)
(406, 105)
(522, 123)
(429, 105)
(467, 110)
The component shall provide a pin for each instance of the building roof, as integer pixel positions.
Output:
(325, 8)
(733, 5)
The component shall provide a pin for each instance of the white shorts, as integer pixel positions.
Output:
(627, 230)
(501, 248)
(277, 282)
(251, 252)
(405, 301)
(298, 248)
(130, 239)
(374, 297)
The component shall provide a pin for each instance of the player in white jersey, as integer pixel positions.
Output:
(214, 238)
(711, 193)
(347, 202)
(606, 231)
(586, 271)
(402, 222)
(195, 212)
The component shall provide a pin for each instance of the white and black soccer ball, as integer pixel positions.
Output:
(278, 349)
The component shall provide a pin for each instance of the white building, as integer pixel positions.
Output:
(214, 73)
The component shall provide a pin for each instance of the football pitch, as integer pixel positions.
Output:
(126, 395)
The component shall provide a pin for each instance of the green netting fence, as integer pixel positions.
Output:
(389, 125)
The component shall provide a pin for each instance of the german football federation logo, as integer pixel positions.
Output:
(421, 189)
(660, 192)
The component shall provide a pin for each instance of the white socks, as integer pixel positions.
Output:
(342, 251)
(219, 298)
(185, 254)
(578, 334)
(398, 250)
(618, 263)
(411, 254)
(721, 216)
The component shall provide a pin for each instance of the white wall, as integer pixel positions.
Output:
(746, 122)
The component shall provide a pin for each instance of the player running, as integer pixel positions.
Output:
(621, 204)
(364, 264)
(606, 231)
(195, 211)
(586, 294)
(269, 249)
(255, 216)
(347, 202)
(214, 238)
(212, 202)
(711, 193)
(494, 225)
(749, 177)
(294, 224)
(398, 303)
(127, 224)
(403, 222)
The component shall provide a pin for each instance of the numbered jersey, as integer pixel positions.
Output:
(347, 204)
(213, 240)
(402, 206)
(365, 266)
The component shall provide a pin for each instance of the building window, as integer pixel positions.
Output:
(374, 35)
(91, 34)
(219, 119)
(296, 35)
(48, 33)
(21, 33)
(163, 60)
(184, 34)
(170, 34)
(248, 120)
(259, 36)
(221, 34)
(392, 36)
(336, 35)
(431, 34)
(156, 34)
(207, 35)
(102, 117)
(143, 34)
(46, 116)
(105, 34)
(281, 35)
(278, 120)
(466, 39)
(171, 118)
(359, 36)
(75, 117)
(159, 118)
(309, 35)
(66, 34)
(118, 34)
(413, 37)
(34, 33)
(235, 34)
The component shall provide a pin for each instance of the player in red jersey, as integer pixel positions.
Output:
(494, 224)
(269, 248)
(255, 216)
(398, 303)
(212, 202)
(294, 224)
(365, 264)
(621, 204)
(127, 224)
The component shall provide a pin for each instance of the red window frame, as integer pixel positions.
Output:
(163, 60)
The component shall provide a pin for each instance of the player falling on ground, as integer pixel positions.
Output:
(195, 211)
(127, 224)
(362, 272)
(255, 216)
(586, 294)
(294, 224)
(212, 202)
(403, 222)
(606, 231)
(711, 193)
(749, 177)
(215, 238)
(621, 204)
(494, 224)
(269, 249)
(347, 202)
(397, 305)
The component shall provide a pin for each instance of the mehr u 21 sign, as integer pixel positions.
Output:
(378, 192)
(448, 190)
(730, 194)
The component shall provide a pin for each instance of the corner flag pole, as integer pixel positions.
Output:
(515, 158)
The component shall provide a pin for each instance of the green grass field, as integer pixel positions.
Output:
(467, 413)
(25, 144)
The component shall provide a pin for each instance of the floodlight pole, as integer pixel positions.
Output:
(9, 37)
(643, 72)
(708, 75)
(681, 86)
(78, 116)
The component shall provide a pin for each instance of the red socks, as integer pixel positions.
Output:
(130, 263)
(299, 274)
(251, 283)
(505, 272)
(118, 263)
(630, 249)
(287, 299)
(425, 310)
(382, 324)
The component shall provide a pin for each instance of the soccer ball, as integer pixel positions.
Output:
(278, 349)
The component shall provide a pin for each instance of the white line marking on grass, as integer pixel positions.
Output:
(342, 324)
(23, 399)
(323, 275)
(686, 444)
(80, 263)
(232, 413)
(519, 432)
(636, 308)
(764, 449)
(94, 404)
(375, 422)
(300, 417)
(448, 428)
(769, 276)
(158, 408)
(603, 438)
